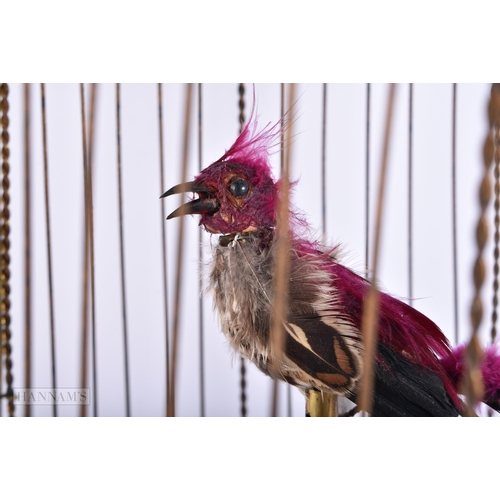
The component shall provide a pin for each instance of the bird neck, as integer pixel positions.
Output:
(231, 239)
(264, 236)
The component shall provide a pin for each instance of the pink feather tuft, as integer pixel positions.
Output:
(254, 148)
(454, 364)
(491, 373)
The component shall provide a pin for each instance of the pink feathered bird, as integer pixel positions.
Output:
(416, 372)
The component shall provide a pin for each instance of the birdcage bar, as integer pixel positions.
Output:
(171, 412)
(5, 319)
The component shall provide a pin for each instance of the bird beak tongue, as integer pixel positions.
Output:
(198, 206)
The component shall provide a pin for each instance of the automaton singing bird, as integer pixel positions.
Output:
(416, 371)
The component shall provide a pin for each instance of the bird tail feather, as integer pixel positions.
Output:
(455, 364)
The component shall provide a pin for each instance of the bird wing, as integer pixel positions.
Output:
(324, 350)
(405, 389)
(323, 356)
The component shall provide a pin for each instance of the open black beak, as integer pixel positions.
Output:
(199, 206)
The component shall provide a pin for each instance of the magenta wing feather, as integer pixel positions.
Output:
(454, 364)
(401, 327)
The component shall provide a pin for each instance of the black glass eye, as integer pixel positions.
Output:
(239, 188)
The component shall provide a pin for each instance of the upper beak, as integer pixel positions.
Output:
(198, 206)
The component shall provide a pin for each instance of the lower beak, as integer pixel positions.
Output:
(199, 206)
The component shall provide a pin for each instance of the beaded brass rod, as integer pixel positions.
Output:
(5, 333)
(27, 244)
(122, 249)
(243, 396)
(164, 242)
(93, 98)
(454, 211)
(472, 384)
(410, 196)
(200, 263)
(282, 271)
(86, 259)
(369, 319)
(496, 252)
(49, 249)
(180, 254)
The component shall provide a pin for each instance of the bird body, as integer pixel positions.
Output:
(322, 333)
(416, 372)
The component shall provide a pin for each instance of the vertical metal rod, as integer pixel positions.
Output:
(1, 377)
(122, 250)
(321, 404)
(86, 260)
(180, 254)
(49, 250)
(164, 241)
(241, 106)
(281, 271)
(288, 400)
(410, 198)
(274, 395)
(243, 385)
(454, 212)
(88, 247)
(473, 387)
(282, 111)
(367, 182)
(243, 396)
(282, 166)
(496, 252)
(369, 320)
(200, 263)
(5, 332)
(93, 96)
(323, 163)
(27, 244)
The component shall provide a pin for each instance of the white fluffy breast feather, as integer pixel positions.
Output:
(242, 299)
(241, 278)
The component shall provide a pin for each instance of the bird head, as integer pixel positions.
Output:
(236, 193)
